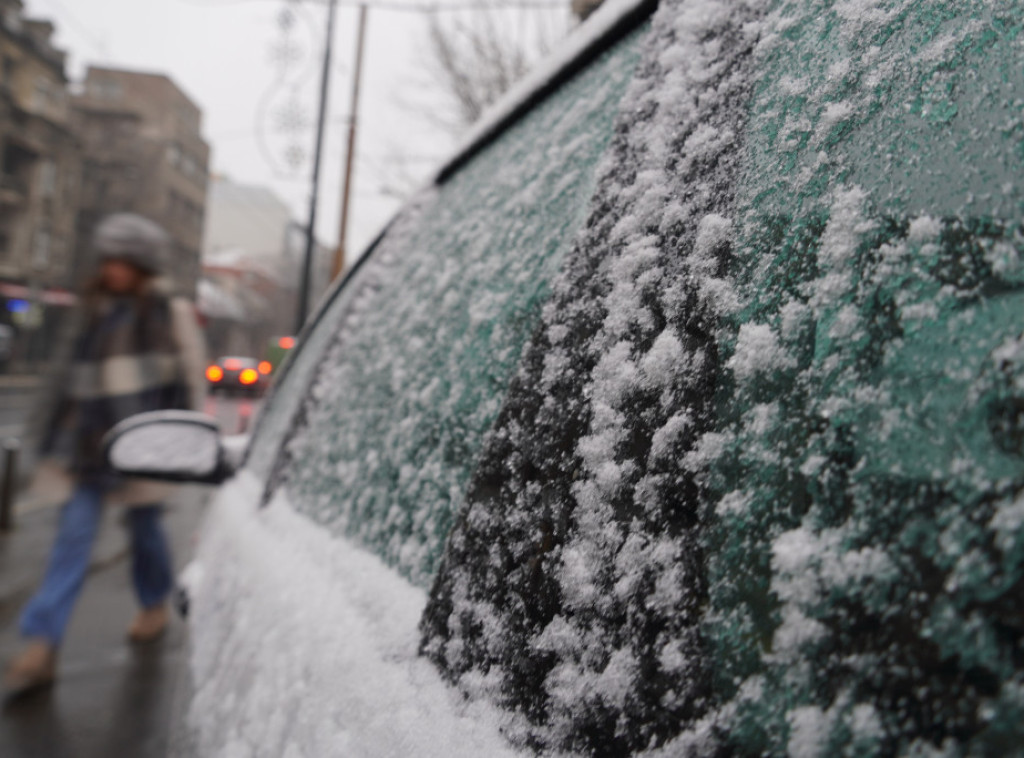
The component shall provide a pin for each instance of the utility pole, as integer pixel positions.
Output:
(339, 253)
(307, 261)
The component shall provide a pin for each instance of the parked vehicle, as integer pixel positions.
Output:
(682, 415)
(238, 374)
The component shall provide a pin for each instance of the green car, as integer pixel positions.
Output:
(682, 416)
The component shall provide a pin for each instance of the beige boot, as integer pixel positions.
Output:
(35, 667)
(149, 624)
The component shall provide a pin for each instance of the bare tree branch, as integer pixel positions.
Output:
(474, 60)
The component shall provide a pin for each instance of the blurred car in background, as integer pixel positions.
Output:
(682, 415)
(238, 374)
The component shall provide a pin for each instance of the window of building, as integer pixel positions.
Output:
(106, 89)
(58, 250)
(41, 248)
(41, 94)
(126, 126)
(12, 19)
(8, 71)
(188, 119)
(47, 178)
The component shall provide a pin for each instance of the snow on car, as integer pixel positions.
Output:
(682, 415)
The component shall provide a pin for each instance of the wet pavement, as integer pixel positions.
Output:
(17, 394)
(112, 699)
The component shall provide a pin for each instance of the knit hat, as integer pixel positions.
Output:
(131, 238)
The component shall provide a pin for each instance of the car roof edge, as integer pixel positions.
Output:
(608, 24)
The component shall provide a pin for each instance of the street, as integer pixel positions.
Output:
(111, 698)
(16, 396)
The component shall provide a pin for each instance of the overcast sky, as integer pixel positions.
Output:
(227, 56)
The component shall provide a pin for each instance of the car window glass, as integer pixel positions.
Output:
(291, 381)
(869, 446)
(284, 410)
(827, 557)
(418, 370)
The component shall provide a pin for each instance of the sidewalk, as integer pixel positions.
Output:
(24, 551)
(111, 698)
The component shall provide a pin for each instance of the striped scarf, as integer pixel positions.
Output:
(125, 360)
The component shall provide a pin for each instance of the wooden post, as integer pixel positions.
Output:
(307, 261)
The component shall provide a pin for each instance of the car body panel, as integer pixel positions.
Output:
(277, 577)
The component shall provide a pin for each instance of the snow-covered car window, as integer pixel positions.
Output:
(758, 487)
(283, 410)
(423, 353)
(866, 459)
(289, 388)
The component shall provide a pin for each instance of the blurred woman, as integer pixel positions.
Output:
(137, 349)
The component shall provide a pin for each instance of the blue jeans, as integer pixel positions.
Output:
(47, 613)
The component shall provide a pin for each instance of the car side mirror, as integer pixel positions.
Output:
(180, 446)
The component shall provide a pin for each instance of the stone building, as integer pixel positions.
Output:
(39, 182)
(143, 151)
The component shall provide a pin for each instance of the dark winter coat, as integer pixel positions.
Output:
(132, 354)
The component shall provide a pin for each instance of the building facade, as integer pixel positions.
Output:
(39, 182)
(142, 151)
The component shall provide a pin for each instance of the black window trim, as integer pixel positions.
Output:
(578, 54)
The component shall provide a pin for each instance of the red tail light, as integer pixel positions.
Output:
(286, 342)
(214, 373)
(232, 364)
(265, 367)
(249, 376)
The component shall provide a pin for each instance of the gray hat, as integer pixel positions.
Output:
(132, 238)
